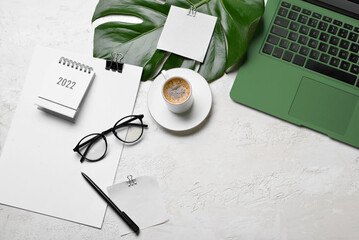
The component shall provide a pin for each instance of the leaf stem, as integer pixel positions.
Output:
(189, 2)
(197, 5)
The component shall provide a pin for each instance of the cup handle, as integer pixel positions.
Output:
(165, 74)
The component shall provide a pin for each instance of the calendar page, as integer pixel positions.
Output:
(64, 86)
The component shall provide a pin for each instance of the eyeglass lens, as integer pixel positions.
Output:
(94, 147)
(131, 125)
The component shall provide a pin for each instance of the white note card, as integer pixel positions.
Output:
(187, 35)
(142, 202)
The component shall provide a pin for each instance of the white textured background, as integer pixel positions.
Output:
(242, 175)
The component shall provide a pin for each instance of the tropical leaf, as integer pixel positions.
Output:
(236, 22)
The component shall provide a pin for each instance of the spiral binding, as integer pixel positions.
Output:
(131, 181)
(74, 64)
(192, 11)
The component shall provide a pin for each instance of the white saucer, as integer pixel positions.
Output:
(194, 116)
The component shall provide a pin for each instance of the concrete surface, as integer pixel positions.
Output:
(241, 175)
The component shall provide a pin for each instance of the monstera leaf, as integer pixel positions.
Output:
(236, 22)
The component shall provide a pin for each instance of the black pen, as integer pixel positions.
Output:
(122, 214)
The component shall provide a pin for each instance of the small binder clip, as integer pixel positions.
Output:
(131, 181)
(116, 63)
(192, 11)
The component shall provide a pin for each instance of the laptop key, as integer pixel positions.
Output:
(293, 36)
(293, 15)
(267, 49)
(323, 47)
(296, 8)
(314, 33)
(314, 54)
(281, 22)
(343, 54)
(303, 19)
(324, 37)
(348, 26)
(317, 15)
(344, 44)
(306, 11)
(277, 52)
(330, 71)
(324, 58)
(285, 4)
(304, 30)
(333, 50)
(294, 26)
(338, 23)
(273, 39)
(284, 43)
(353, 58)
(353, 37)
(282, 12)
(334, 62)
(354, 69)
(313, 43)
(354, 48)
(343, 33)
(333, 29)
(334, 40)
(299, 60)
(323, 26)
(287, 56)
(356, 29)
(313, 22)
(327, 19)
(294, 47)
(304, 51)
(303, 40)
(279, 31)
(344, 65)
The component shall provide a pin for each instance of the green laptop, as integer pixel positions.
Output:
(303, 64)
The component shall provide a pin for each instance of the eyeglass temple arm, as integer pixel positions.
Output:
(127, 123)
(132, 124)
(87, 142)
(124, 125)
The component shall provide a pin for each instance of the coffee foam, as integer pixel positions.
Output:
(176, 90)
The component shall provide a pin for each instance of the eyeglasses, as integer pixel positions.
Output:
(93, 147)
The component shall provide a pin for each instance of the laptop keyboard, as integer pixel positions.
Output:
(315, 42)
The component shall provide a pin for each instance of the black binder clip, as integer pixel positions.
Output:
(116, 63)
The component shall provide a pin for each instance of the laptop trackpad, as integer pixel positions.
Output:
(322, 105)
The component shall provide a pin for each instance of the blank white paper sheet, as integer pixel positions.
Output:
(142, 202)
(186, 35)
(38, 169)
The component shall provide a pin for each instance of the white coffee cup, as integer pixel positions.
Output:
(177, 93)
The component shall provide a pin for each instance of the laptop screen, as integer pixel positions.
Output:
(346, 7)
